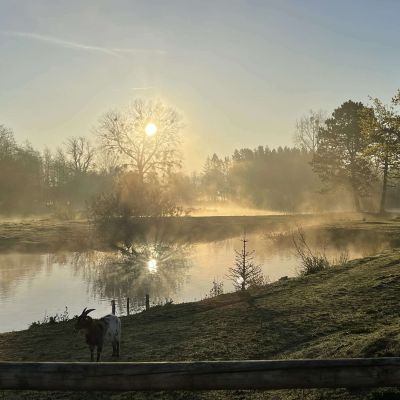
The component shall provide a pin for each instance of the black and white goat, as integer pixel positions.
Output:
(97, 331)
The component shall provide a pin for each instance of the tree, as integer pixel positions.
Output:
(340, 158)
(146, 136)
(215, 179)
(81, 154)
(20, 175)
(245, 273)
(382, 128)
(307, 129)
(8, 145)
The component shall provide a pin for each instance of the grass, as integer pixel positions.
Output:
(43, 235)
(346, 311)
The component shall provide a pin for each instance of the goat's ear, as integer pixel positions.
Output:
(84, 311)
(89, 311)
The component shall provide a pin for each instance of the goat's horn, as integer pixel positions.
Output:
(89, 311)
(84, 310)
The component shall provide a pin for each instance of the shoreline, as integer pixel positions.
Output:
(50, 235)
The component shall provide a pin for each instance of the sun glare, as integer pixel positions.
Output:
(151, 129)
(152, 265)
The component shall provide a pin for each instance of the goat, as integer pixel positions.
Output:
(98, 330)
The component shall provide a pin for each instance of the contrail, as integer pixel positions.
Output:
(143, 88)
(79, 46)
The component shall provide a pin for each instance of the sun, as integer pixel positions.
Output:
(151, 129)
(152, 265)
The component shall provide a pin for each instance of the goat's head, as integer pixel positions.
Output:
(84, 321)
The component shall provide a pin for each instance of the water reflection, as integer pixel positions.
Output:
(152, 266)
(18, 268)
(133, 270)
(158, 263)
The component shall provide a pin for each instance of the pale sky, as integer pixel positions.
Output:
(241, 72)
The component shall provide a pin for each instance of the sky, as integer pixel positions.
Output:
(240, 72)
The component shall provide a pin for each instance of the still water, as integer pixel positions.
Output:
(35, 285)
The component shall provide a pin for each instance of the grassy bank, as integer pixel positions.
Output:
(49, 235)
(43, 235)
(348, 311)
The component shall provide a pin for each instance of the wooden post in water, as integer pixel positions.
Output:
(147, 302)
(127, 306)
(113, 307)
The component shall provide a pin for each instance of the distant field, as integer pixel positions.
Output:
(348, 311)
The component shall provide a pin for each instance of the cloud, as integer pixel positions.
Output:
(113, 51)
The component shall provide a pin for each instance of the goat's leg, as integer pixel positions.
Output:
(91, 353)
(117, 348)
(114, 345)
(99, 349)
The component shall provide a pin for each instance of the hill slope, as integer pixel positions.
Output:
(349, 311)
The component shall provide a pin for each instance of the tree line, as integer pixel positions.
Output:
(357, 148)
(128, 170)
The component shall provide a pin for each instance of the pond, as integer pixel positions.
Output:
(35, 285)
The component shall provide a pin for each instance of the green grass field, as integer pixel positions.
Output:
(347, 311)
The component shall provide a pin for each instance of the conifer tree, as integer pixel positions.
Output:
(245, 272)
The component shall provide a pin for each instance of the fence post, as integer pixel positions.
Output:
(147, 302)
(113, 307)
(127, 306)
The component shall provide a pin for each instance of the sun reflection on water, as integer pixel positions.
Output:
(152, 266)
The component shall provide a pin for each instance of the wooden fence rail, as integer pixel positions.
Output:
(203, 375)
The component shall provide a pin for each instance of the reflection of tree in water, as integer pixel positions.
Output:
(157, 268)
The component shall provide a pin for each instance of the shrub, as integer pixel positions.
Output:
(310, 262)
(216, 289)
(52, 319)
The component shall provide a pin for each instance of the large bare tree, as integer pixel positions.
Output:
(146, 136)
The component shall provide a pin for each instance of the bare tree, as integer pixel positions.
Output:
(245, 273)
(8, 144)
(81, 154)
(307, 128)
(145, 136)
(107, 162)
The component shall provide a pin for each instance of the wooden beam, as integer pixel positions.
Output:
(202, 375)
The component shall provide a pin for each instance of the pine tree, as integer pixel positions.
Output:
(245, 272)
(340, 158)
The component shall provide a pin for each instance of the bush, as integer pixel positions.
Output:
(52, 319)
(312, 261)
(131, 198)
(216, 289)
